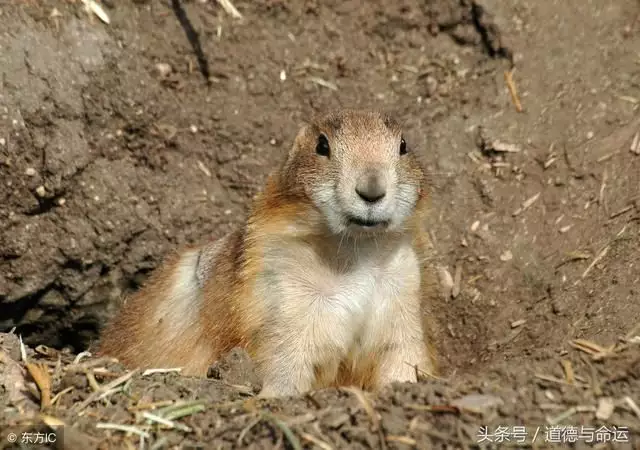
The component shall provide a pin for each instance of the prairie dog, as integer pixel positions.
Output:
(328, 282)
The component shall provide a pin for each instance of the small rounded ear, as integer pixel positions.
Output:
(292, 159)
(299, 140)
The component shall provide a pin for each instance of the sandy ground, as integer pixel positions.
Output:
(121, 141)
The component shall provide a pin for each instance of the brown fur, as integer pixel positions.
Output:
(228, 314)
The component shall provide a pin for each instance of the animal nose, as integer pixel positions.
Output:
(371, 187)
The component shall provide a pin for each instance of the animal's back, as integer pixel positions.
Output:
(181, 317)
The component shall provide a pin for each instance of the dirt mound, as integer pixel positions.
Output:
(121, 141)
(112, 408)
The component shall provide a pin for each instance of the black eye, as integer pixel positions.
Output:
(403, 147)
(322, 148)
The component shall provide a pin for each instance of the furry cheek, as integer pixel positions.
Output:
(406, 199)
(324, 197)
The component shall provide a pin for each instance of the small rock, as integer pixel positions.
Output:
(336, 420)
(556, 306)
(3, 142)
(477, 402)
(565, 229)
(163, 69)
(41, 191)
(506, 256)
(10, 343)
(30, 172)
(53, 298)
(194, 129)
(432, 86)
(283, 75)
(33, 315)
(590, 135)
(446, 282)
(605, 408)
(235, 367)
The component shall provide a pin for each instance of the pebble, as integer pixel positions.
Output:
(506, 256)
(605, 408)
(41, 191)
(446, 281)
(194, 129)
(556, 305)
(163, 69)
(30, 172)
(477, 402)
(337, 419)
(3, 142)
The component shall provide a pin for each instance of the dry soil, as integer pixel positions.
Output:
(121, 141)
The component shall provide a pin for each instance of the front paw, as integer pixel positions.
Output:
(268, 392)
(276, 391)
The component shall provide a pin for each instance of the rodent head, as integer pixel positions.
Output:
(357, 170)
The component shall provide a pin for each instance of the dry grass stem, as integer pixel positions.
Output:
(527, 204)
(367, 405)
(60, 394)
(314, 440)
(81, 355)
(123, 428)
(595, 261)
(457, 281)
(41, 376)
(166, 422)
(169, 370)
(633, 405)
(181, 409)
(106, 390)
(635, 144)
(568, 371)
(508, 77)
(323, 83)
(402, 439)
(230, 9)
(291, 437)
